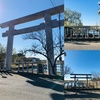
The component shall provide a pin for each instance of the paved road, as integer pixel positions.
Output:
(74, 45)
(30, 87)
(82, 95)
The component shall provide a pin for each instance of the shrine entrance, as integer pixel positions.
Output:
(81, 76)
(47, 26)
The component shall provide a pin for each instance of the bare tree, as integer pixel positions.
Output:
(67, 70)
(96, 75)
(39, 46)
(96, 78)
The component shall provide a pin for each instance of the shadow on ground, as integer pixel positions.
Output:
(46, 81)
(4, 74)
(78, 42)
(86, 94)
(57, 96)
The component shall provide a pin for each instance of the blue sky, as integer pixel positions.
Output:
(83, 61)
(87, 8)
(12, 9)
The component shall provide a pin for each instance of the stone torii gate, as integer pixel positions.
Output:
(47, 26)
(81, 76)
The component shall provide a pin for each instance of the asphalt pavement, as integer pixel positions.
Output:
(24, 86)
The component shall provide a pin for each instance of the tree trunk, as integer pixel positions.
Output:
(54, 69)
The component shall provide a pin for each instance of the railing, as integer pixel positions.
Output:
(2, 66)
(80, 85)
(82, 33)
(30, 67)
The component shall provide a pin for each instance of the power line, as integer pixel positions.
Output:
(53, 4)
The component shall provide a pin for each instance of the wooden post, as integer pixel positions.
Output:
(99, 33)
(37, 69)
(87, 80)
(87, 33)
(82, 32)
(68, 85)
(23, 67)
(76, 33)
(43, 69)
(93, 33)
(0, 65)
(71, 84)
(75, 81)
(71, 33)
(27, 67)
(9, 48)
(49, 40)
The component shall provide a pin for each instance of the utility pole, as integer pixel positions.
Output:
(60, 58)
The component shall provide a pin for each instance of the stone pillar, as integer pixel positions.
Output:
(87, 80)
(87, 33)
(49, 40)
(93, 33)
(82, 32)
(9, 48)
(76, 33)
(71, 33)
(99, 33)
(75, 81)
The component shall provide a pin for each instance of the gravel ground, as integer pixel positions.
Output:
(29, 87)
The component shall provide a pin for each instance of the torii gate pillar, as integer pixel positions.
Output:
(49, 40)
(9, 48)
